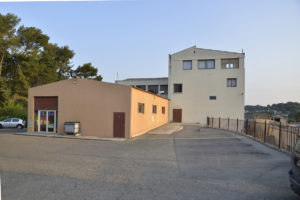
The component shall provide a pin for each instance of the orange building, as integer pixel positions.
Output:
(103, 109)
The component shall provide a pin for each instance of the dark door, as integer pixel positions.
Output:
(119, 124)
(177, 114)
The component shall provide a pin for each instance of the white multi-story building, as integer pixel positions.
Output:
(201, 83)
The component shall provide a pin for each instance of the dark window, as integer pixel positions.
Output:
(163, 110)
(163, 89)
(141, 107)
(154, 109)
(231, 82)
(187, 65)
(230, 63)
(206, 64)
(15, 120)
(8, 120)
(177, 88)
(143, 87)
(212, 98)
(153, 89)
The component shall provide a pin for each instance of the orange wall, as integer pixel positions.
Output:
(88, 101)
(143, 122)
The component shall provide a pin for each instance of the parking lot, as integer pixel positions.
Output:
(194, 163)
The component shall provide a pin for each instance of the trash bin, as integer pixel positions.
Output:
(72, 127)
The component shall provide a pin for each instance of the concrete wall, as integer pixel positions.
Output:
(143, 122)
(90, 102)
(199, 84)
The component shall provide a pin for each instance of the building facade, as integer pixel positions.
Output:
(204, 83)
(201, 83)
(103, 109)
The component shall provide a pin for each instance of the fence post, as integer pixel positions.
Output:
(279, 135)
(207, 121)
(246, 126)
(254, 128)
(265, 132)
(237, 125)
(228, 123)
(219, 122)
(212, 122)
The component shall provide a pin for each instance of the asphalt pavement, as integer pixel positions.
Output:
(194, 163)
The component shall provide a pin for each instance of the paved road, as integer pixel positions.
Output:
(195, 163)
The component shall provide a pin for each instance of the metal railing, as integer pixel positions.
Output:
(273, 133)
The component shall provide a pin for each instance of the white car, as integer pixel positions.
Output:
(12, 123)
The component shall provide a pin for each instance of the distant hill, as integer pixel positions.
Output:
(283, 109)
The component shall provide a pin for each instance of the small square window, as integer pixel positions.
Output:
(141, 108)
(163, 110)
(154, 109)
(229, 66)
(187, 65)
(177, 88)
(212, 97)
(231, 82)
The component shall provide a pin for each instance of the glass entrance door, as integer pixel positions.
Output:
(47, 121)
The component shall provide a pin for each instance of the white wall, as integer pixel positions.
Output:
(199, 84)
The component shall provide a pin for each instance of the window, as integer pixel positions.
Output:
(231, 82)
(177, 88)
(212, 98)
(232, 63)
(143, 87)
(187, 65)
(229, 66)
(153, 89)
(163, 89)
(141, 108)
(163, 110)
(206, 64)
(154, 109)
(15, 120)
(8, 120)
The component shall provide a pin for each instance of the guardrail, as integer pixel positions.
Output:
(273, 133)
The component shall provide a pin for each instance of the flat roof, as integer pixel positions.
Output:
(133, 79)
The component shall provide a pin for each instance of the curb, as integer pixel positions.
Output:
(70, 137)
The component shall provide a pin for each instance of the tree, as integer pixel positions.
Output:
(8, 38)
(88, 71)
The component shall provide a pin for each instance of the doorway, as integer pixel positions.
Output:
(47, 121)
(177, 115)
(119, 125)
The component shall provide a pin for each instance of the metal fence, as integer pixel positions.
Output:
(273, 133)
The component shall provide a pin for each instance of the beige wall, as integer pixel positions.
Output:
(143, 122)
(199, 84)
(90, 102)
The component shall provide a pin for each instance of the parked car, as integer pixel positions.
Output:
(294, 173)
(12, 123)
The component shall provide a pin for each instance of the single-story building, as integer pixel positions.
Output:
(103, 109)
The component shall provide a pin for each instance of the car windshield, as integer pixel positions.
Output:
(297, 147)
(7, 120)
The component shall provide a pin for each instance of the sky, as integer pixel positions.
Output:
(133, 38)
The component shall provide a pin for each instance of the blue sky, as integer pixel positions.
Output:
(134, 38)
